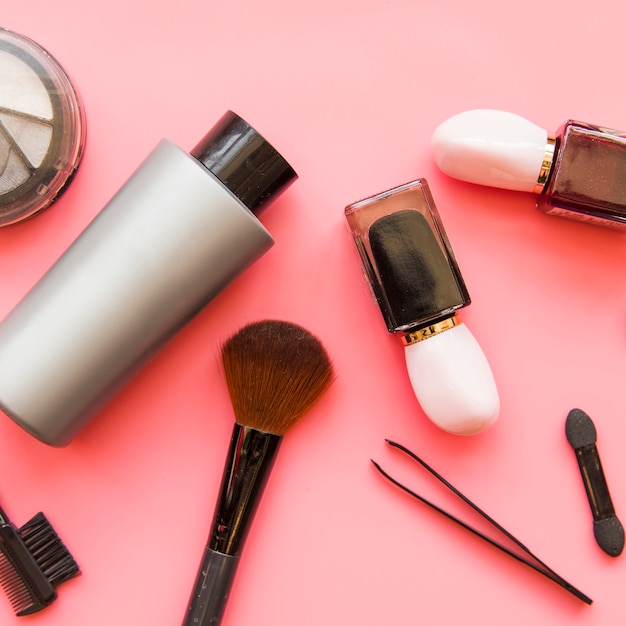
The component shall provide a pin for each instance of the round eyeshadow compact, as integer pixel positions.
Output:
(42, 128)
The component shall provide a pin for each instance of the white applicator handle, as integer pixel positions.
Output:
(453, 382)
(493, 148)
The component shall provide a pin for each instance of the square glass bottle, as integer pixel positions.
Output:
(416, 281)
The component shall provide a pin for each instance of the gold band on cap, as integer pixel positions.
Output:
(430, 331)
(546, 165)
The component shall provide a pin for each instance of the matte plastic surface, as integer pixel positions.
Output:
(350, 92)
(215, 579)
(167, 243)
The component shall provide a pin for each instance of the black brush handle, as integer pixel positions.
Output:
(249, 461)
(213, 584)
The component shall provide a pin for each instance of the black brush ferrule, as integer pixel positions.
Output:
(250, 458)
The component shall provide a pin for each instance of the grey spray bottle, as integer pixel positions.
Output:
(178, 231)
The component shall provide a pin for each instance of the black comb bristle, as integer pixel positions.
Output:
(21, 577)
(14, 587)
(33, 562)
(54, 559)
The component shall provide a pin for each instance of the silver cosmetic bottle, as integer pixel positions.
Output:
(179, 230)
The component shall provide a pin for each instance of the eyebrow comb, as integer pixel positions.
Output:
(531, 560)
(33, 563)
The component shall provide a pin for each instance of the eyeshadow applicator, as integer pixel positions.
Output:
(275, 372)
(607, 529)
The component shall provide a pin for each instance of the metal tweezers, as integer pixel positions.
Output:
(533, 561)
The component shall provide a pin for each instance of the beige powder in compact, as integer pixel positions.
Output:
(25, 121)
(42, 128)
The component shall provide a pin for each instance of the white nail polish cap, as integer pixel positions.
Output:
(453, 382)
(493, 148)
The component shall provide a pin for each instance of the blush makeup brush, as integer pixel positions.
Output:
(607, 529)
(275, 372)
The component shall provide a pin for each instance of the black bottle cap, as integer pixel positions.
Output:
(244, 162)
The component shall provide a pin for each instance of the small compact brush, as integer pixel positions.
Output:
(33, 563)
(275, 372)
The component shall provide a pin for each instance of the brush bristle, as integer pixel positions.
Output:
(275, 372)
(47, 548)
(21, 578)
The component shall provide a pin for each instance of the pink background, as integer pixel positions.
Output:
(350, 93)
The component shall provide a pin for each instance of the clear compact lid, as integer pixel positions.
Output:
(42, 128)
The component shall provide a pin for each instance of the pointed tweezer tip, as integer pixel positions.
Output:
(399, 446)
(376, 465)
